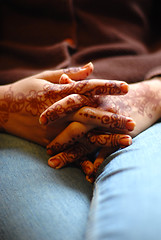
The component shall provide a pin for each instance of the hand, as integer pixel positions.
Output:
(22, 102)
(142, 103)
(86, 118)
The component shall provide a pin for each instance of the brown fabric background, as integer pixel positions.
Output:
(121, 37)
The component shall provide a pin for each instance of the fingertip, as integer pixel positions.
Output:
(90, 179)
(130, 125)
(89, 67)
(43, 120)
(89, 169)
(125, 141)
(54, 163)
(64, 79)
(124, 87)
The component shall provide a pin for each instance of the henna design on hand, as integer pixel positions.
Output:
(33, 103)
(143, 99)
(10, 104)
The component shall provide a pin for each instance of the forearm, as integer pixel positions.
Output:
(152, 98)
(146, 104)
(146, 98)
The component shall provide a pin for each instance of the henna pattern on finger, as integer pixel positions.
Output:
(73, 103)
(112, 121)
(69, 156)
(57, 147)
(72, 70)
(109, 140)
(87, 166)
(84, 73)
(110, 88)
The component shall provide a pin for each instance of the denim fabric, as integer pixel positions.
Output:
(127, 197)
(36, 201)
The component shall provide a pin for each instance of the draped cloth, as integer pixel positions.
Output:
(121, 38)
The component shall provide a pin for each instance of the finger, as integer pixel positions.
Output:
(90, 88)
(93, 87)
(103, 153)
(70, 155)
(109, 140)
(64, 79)
(71, 134)
(75, 73)
(66, 106)
(100, 118)
(86, 165)
(90, 178)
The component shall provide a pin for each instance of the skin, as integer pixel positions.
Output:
(53, 93)
(142, 103)
(22, 102)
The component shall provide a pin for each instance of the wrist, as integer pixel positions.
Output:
(4, 106)
(155, 94)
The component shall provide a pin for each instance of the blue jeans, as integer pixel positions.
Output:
(127, 196)
(37, 202)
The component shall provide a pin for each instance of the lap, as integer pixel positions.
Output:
(127, 195)
(36, 201)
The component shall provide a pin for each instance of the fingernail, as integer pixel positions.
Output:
(125, 141)
(124, 87)
(54, 163)
(130, 125)
(90, 179)
(87, 65)
(64, 77)
(43, 120)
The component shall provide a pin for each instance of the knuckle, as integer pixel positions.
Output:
(47, 72)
